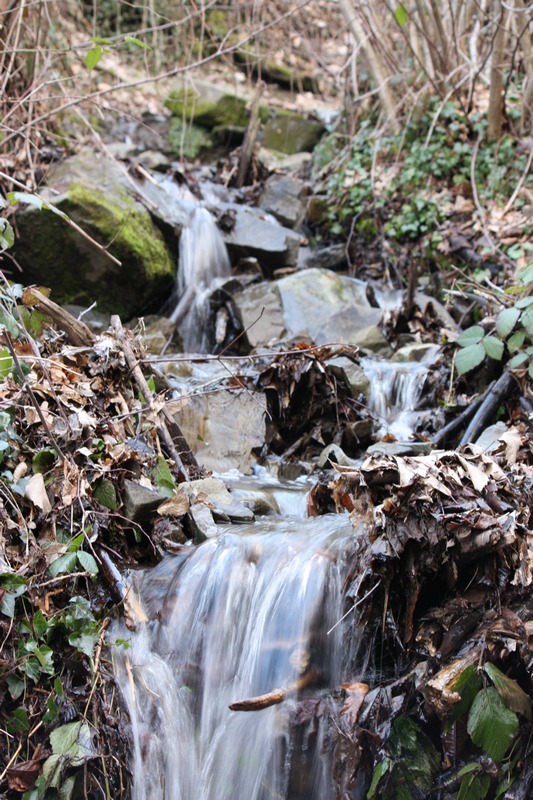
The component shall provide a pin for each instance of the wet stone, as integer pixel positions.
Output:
(140, 502)
(214, 493)
(282, 197)
(202, 524)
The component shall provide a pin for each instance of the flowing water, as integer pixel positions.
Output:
(203, 259)
(233, 618)
(395, 392)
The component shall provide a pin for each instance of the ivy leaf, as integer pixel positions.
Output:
(100, 40)
(510, 692)
(493, 347)
(491, 725)
(471, 336)
(400, 15)
(138, 42)
(469, 357)
(93, 57)
(73, 740)
(506, 320)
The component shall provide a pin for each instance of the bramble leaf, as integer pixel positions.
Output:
(493, 347)
(469, 357)
(471, 336)
(491, 725)
(506, 320)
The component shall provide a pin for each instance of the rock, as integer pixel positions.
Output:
(140, 502)
(94, 192)
(416, 351)
(294, 163)
(289, 132)
(282, 197)
(222, 428)
(332, 257)
(207, 106)
(326, 307)
(356, 435)
(158, 331)
(202, 524)
(313, 304)
(353, 374)
(258, 236)
(400, 448)
(213, 492)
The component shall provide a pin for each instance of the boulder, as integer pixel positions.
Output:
(259, 236)
(214, 493)
(314, 304)
(289, 132)
(282, 197)
(223, 428)
(95, 192)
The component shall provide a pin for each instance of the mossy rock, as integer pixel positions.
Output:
(275, 72)
(52, 254)
(288, 132)
(226, 110)
(187, 140)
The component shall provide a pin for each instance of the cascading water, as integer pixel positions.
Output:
(234, 618)
(203, 259)
(395, 391)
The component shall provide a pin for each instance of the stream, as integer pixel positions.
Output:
(256, 610)
(241, 615)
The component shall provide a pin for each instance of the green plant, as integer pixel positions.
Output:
(510, 335)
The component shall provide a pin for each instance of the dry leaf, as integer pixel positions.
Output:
(175, 506)
(36, 492)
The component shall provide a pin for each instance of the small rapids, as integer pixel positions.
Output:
(234, 618)
(395, 391)
(203, 259)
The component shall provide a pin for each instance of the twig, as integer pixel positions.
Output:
(102, 248)
(520, 183)
(162, 426)
(493, 396)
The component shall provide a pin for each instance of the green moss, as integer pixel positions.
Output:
(186, 139)
(53, 254)
(290, 133)
(228, 110)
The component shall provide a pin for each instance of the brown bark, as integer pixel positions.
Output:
(495, 111)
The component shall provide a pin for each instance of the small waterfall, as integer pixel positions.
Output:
(236, 617)
(203, 259)
(395, 391)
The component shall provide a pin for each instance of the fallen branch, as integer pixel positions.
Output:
(163, 424)
(492, 398)
(276, 695)
(78, 333)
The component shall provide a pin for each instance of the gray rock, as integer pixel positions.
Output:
(273, 160)
(353, 373)
(416, 351)
(332, 257)
(140, 502)
(223, 428)
(202, 524)
(400, 448)
(257, 235)
(213, 492)
(261, 313)
(282, 197)
(313, 304)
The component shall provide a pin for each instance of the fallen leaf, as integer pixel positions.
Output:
(36, 492)
(175, 506)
